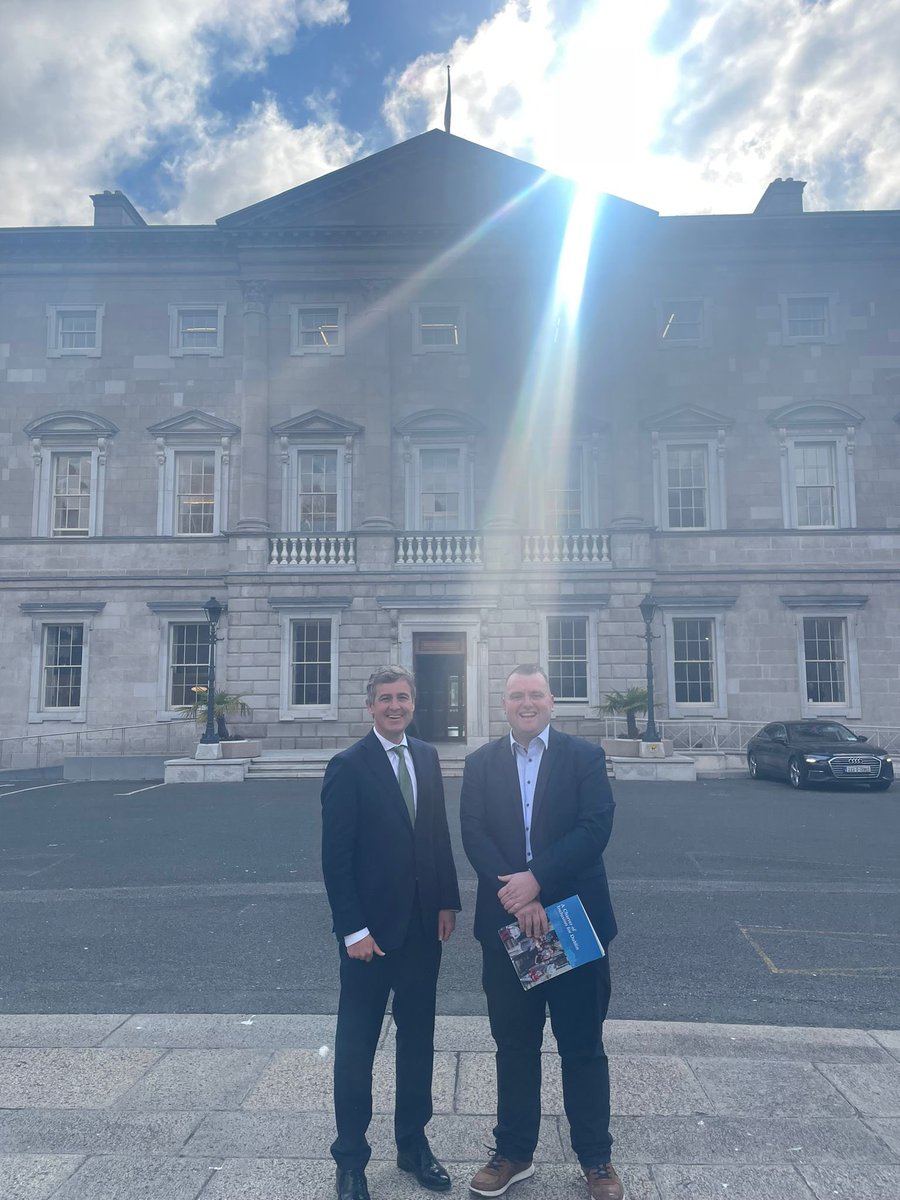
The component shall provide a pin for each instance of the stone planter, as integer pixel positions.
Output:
(245, 748)
(635, 748)
(242, 748)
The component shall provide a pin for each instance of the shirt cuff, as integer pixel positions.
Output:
(352, 938)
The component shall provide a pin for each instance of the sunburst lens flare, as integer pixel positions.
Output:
(539, 439)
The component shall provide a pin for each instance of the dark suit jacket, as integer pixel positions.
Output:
(571, 820)
(371, 857)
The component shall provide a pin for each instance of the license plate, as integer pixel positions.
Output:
(859, 770)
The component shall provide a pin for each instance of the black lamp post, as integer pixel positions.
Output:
(648, 608)
(213, 610)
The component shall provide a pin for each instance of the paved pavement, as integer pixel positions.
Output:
(173, 1107)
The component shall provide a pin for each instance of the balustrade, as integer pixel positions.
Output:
(432, 549)
(548, 549)
(439, 550)
(315, 550)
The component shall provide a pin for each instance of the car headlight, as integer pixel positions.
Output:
(887, 758)
(815, 758)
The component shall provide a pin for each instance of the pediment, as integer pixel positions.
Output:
(316, 424)
(688, 418)
(193, 423)
(432, 179)
(438, 422)
(816, 414)
(70, 423)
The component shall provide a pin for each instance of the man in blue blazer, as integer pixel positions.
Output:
(537, 811)
(392, 887)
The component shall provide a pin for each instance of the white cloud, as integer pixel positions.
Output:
(577, 96)
(495, 74)
(792, 88)
(89, 88)
(263, 156)
(686, 106)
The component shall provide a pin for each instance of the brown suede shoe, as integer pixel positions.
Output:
(603, 1182)
(499, 1174)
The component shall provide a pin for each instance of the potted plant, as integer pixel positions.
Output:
(225, 704)
(629, 703)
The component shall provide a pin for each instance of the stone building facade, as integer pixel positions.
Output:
(423, 410)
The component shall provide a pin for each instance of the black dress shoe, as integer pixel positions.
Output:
(351, 1184)
(426, 1168)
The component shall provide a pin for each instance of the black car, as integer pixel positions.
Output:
(818, 751)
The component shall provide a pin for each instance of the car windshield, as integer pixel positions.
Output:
(824, 731)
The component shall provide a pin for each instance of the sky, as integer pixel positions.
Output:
(197, 109)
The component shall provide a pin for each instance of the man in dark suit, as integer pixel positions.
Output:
(392, 887)
(537, 812)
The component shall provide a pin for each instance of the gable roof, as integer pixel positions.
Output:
(435, 178)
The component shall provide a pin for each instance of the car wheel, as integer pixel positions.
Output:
(880, 785)
(796, 773)
(753, 766)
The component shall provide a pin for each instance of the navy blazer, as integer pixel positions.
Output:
(571, 820)
(372, 858)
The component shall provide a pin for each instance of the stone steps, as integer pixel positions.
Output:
(311, 764)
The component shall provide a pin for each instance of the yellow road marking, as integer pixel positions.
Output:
(835, 934)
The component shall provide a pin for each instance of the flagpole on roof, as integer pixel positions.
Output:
(447, 104)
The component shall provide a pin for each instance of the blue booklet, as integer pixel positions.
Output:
(571, 942)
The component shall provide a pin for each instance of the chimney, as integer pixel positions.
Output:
(114, 209)
(782, 198)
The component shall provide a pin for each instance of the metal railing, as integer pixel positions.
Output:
(721, 735)
(50, 749)
(884, 736)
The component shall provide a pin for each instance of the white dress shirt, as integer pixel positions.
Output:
(528, 763)
(393, 759)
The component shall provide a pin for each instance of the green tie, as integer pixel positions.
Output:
(405, 782)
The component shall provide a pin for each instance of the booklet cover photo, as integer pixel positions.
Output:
(570, 942)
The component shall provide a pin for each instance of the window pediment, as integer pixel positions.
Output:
(70, 424)
(699, 602)
(56, 608)
(830, 600)
(439, 422)
(193, 424)
(817, 415)
(688, 418)
(316, 424)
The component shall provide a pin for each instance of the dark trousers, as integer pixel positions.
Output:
(411, 972)
(578, 1002)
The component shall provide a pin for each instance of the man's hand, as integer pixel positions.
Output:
(446, 924)
(533, 919)
(365, 949)
(520, 890)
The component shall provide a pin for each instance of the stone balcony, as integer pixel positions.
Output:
(551, 549)
(427, 551)
(438, 549)
(316, 550)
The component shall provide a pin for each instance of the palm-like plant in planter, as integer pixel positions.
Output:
(629, 704)
(225, 704)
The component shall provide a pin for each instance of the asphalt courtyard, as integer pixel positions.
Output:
(738, 901)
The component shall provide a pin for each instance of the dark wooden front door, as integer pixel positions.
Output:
(439, 661)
